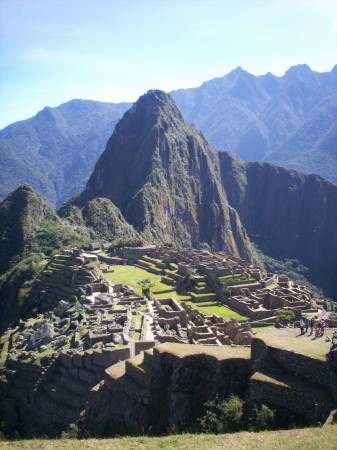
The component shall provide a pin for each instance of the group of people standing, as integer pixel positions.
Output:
(316, 326)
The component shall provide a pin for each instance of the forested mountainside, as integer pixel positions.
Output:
(287, 214)
(56, 150)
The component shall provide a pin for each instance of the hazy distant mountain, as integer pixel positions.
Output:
(56, 150)
(289, 120)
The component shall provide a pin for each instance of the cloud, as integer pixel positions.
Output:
(333, 28)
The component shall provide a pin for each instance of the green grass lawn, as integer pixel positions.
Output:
(210, 308)
(297, 439)
(130, 275)
(259, 330)
(290, 339)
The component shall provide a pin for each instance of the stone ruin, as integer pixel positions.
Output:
(180, 323)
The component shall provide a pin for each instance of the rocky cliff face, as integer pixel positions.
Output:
(163, 176)
(20, 213)
(287, 214)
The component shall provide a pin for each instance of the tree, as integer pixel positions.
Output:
(284, 316)
(146, 285)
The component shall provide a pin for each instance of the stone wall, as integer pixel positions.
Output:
(302, 366)
(141, 346)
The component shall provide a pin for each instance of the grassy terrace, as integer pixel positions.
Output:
(291, 339)
(308, 438)
(129, 275)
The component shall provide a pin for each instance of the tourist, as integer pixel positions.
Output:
(323, 324)
(306, 322)
(316, 328)
(312, 323)
(302, 326)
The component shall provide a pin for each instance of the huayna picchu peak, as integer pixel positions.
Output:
(164, 177)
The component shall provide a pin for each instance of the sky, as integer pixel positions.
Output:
(52, 51)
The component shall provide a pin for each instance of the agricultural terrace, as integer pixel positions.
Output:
(130, 275)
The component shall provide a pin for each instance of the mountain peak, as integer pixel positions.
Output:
(163, 176)
(301, 72)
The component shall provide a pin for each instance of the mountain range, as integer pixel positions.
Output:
(289, 120)
(56, 150)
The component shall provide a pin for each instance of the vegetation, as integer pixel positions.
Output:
(290, 267)
(105, 221)
(308, 438)
(223, 416)
(16, 285)
(231, 415)
(130, 275)
(210, 308)
(146, 285)
(284, 316)
(54, 236)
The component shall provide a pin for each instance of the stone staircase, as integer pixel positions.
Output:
(133, 376)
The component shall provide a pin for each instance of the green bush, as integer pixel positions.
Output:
(223, 416)
(263, 418)
(284, 316)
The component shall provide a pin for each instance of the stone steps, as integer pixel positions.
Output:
(116, 378)
(203, 289)
(54, 407)
(167, 280)
(198, 298)
(63, 395)
(74, 385)
(175, 276)
(130, 386)
(142, 373)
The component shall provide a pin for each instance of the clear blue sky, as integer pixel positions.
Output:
(52, 51)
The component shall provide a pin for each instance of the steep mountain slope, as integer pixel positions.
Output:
(29, 225)
(20, 214)
(103, 220)
(289, 120)
(56, 150)
(29, 229)
(162, 174)
(287, 214)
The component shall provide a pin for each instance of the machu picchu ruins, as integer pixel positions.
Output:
(97, 340)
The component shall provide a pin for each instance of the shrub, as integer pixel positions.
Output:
(263, 418)
(284, 316)
(222, 416)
